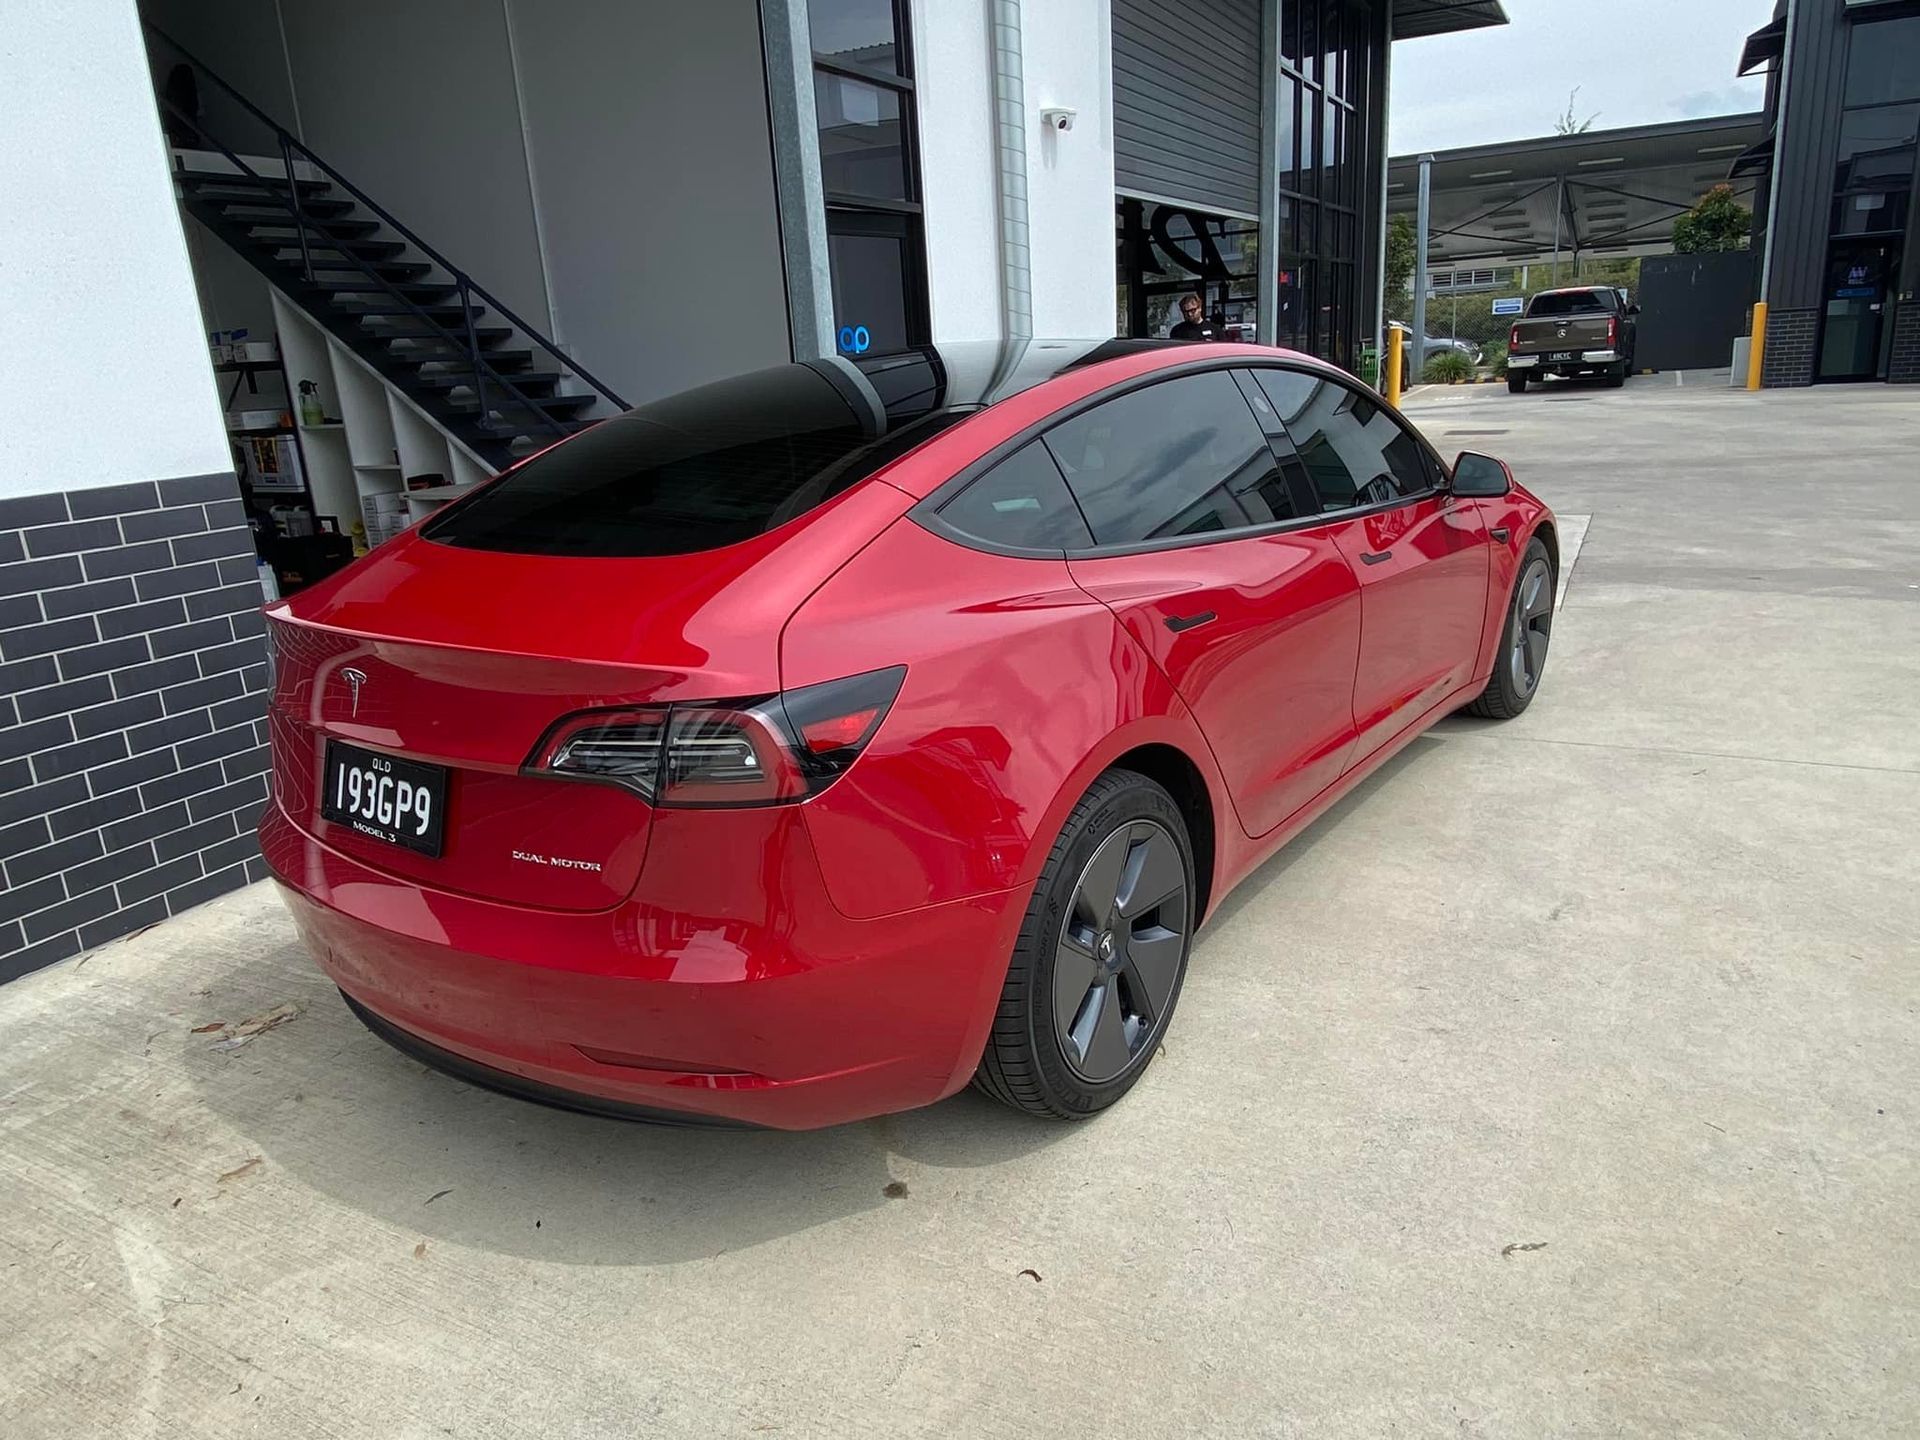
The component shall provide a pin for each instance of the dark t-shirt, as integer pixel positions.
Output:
(1196, 330)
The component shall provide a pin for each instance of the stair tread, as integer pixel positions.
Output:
(372, 249)
(315, 210)
(351, 229)
(453, 379)
(242, 187)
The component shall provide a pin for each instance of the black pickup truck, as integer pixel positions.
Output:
(1586, 330)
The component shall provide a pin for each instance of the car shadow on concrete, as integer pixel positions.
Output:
(1272, 871)
(336, 1109)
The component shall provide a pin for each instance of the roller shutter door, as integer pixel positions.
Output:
(1186, 102)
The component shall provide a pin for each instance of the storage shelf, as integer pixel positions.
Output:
(244, 367)
(329, 425)
(258, 430)
(394, 468)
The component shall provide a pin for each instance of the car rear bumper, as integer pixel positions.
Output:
(773, 1009)
(1580, 357)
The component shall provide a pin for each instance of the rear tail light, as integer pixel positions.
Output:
(1613, 331)
(1513, 337)
(770, 751)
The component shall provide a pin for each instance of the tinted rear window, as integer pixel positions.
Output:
(1021, 502)
(1578, 302)
(697, 471)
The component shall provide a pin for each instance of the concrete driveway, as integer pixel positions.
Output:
(1562, 1081)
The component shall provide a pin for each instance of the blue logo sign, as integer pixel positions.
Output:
(855, 340)
(1513, 305)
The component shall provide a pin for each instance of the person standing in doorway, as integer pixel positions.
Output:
(1196, 326)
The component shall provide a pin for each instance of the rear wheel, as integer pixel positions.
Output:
(1516, 382)
(1617, 375)
(1097, 967)
(1523, 641)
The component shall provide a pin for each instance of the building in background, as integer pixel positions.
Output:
(1837, 169)
(426, 238)
(1514, 218)
(1249, 141)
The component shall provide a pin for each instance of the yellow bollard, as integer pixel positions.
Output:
(1393, 360)
(1757, 347)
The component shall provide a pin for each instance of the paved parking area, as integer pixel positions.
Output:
(1562, 1081)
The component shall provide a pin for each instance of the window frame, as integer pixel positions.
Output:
(927, 512)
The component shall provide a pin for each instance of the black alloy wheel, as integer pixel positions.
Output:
(1120, 950)
(1097, 966)
(1524, 639)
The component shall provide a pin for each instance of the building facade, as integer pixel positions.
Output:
(306, 271)
(1837, 170)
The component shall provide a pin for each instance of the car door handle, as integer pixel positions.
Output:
(1377, 558)
(1177, 623)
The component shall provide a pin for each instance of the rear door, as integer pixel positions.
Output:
(1200, 552)
(1420, 555)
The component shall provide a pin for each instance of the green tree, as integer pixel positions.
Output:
(1718, 222)
(1400, 248)
(1567, 124)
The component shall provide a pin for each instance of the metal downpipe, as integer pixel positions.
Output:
(1010, 166)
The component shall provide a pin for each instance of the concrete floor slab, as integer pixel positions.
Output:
(1560, 1081)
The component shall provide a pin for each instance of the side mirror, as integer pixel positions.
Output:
(1477, 476)
(1633, 309)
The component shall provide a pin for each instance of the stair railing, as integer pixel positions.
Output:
(464, 284)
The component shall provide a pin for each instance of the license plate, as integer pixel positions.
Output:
(1561, 355)
(399, 802)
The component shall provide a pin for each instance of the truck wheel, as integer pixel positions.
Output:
(1516, 383)
(1617, 376)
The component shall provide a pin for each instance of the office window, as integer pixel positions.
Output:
(863, 97)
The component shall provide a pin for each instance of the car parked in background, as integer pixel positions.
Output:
(1583, 330)
(809, 744)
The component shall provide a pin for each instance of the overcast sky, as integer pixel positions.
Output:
(1637, 62)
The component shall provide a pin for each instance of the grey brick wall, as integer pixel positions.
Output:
(132, 711)
(1903, 364)
(1789, 355)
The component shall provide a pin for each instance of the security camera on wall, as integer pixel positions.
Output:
(1058, 118)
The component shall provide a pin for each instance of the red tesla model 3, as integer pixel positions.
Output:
(807, 745)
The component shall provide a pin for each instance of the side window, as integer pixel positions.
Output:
(1354, 450)
(1021, 502)
(1167, 461)
(1287, 493)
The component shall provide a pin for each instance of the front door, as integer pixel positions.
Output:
(1423, 599)
(1420, 554)
(1859, 273)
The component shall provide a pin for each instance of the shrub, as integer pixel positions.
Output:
(1493, 355)
(1449, 367)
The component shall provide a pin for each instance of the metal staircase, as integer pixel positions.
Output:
(489, 379)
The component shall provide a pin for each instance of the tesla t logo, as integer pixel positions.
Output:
(355, 679)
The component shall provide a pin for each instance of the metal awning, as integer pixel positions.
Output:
(1764, 46)
(1415, 18)
(1753, 160)
(1603, 191)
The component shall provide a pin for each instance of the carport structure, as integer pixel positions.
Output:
(1606, 192)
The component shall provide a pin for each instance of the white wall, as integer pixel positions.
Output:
(1067, 59)
(1069, 62)
(953, 79)
(104, 376)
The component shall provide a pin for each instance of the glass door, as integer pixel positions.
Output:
(1851, 341)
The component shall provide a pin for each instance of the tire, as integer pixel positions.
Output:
(1616, 376)
(1516, 384)
(1064, 1008)
(1516, 679)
